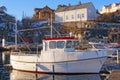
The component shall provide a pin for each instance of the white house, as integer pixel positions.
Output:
(80, 12)
(110, 8)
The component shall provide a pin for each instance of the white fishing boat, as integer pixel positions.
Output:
(60, 56)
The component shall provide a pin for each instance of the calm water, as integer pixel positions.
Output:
(17, 75)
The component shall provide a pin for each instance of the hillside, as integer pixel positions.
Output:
(109, 17)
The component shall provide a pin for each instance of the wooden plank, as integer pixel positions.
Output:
(115, 75)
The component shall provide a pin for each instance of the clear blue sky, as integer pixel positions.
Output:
(18, 7)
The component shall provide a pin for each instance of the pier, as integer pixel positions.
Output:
(112, 67)
(8, 67)
(115, 75)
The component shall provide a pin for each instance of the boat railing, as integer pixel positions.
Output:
(62, 35)
(24, 52)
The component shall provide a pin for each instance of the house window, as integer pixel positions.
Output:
(78, 16)
(61, 18)
(82, 15)
(43, 14)
(66, 17)
(72, 16)
(46, 9)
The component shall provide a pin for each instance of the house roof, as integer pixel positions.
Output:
(109, 6)
(38, 9)
(67, 8)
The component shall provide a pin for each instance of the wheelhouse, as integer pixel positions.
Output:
(61, 43)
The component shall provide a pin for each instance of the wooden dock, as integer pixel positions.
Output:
(115, 75)
(7, 67)
(112, 65)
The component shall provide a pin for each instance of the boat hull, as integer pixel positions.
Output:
(92, 65)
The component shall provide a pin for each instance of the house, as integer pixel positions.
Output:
(44, 13)
(110, 8)
(73, 13)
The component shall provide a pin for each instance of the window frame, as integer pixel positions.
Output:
(60, 44)
(69, 45)
(52, 44)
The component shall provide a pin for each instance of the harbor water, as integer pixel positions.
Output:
(6, 73)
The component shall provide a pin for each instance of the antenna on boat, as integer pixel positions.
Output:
(51, 26)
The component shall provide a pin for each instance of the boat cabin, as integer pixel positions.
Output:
(60, 43)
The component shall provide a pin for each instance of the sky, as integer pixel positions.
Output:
(19, 7)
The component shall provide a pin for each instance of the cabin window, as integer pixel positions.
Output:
(46, 46)
(60, 44)
(69, 44)
(75, 43)
(52, 44)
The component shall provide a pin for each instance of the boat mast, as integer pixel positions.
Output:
(51, 27)
(15, 34)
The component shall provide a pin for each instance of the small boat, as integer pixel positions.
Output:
(60, 56)
(100, 45)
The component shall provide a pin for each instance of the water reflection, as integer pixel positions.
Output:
(4, 58)
(18, 75)
(0, 58)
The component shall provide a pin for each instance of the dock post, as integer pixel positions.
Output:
(53, 68)
(36, 72)
(53, 72)
(117, 57)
